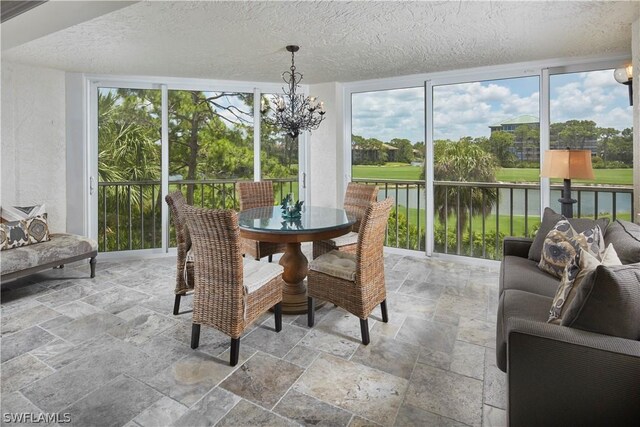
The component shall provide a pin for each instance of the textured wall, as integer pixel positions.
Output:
(33, 140)
(325, 148)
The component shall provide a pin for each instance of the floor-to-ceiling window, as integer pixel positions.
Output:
(387, 150)
(151, 139)
(589, 110)
(486, 156)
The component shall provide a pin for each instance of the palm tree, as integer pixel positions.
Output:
(462, 161)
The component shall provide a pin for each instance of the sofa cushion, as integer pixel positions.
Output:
(550, 219)
(608, 302)
(520, 304)
(523, 274)
(59, 248)
(574, 274)
(563, 242)
(625, 237)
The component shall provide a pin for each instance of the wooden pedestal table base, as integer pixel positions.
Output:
(316, 223)
(296, 267)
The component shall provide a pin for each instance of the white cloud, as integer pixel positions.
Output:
(467, 109)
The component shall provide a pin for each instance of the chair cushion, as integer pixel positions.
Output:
(550, 219)
(337, 264)
(347, 240)
(523, 274)
(256, 274)
(625, 237)
(608, 302)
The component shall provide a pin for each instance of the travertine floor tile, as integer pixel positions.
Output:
(309, 411)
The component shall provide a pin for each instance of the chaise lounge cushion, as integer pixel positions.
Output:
(61, 247)
(523, 274)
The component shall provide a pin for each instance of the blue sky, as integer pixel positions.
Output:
(467, 109)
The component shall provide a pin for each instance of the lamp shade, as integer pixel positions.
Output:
(567, 164)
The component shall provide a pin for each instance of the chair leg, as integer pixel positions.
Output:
(176, 305)
(385, 315)
(364, 329)
(195, 335)
(311, 311)
(270, 258)
(277, 310)
(235, 351)
(92, 264)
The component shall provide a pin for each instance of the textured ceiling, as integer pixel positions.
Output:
(339, 41)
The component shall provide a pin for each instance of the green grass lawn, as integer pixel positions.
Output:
(403, 171)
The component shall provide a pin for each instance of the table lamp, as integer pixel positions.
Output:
(567, 164)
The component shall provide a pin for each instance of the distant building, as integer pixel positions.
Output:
(527, 149)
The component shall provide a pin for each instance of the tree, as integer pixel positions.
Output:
(405, 150)
(462, 161)
(500, 144)
(574, 134)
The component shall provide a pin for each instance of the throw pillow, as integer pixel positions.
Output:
(37, 229)
(574, 274)
(16, 213)
(550, 219)
(563, 242)
(16, 234)
(608, 302)
(625, 236)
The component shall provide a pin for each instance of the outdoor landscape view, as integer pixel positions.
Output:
(487, 156)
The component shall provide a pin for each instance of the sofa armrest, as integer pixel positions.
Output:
(565, 376)
(516, 246)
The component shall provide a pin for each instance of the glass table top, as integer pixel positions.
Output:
(313, 218)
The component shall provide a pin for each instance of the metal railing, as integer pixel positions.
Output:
(130, 211)
(472, 218)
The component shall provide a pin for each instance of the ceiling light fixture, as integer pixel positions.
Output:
(625, 76)
(295, 113)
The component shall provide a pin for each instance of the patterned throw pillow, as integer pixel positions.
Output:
(562, 244)
(16, 213)
(15, 234)
(38, 229)
(574, 274)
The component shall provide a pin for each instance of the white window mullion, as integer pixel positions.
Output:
(165, 166)
(257, 167)
(545, 96)
(428, 166)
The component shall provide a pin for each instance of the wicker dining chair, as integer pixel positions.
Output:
(354, 282)
(184, 268)
(357, 199)
(257, 195)
(230, 291)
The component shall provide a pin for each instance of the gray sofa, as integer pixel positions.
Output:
(61, 249)
(560, 375)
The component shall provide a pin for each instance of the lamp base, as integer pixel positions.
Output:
(566, 201)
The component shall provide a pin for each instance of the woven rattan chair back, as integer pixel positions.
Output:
(255, 194)
(218, 290)
(176, 204)
(370, 250)
(357, 199)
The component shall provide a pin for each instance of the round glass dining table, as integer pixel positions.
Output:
(266, 224)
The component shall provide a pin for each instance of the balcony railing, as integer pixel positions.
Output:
(479, 215)
(130, 212)
(472, 218)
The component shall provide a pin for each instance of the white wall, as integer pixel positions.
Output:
(33, 147)
(325, 148)
(635, 55)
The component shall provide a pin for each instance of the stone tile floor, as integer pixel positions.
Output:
(108, 351)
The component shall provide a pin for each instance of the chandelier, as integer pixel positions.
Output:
(295, 113)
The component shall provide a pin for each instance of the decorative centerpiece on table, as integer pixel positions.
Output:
(291, 210)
